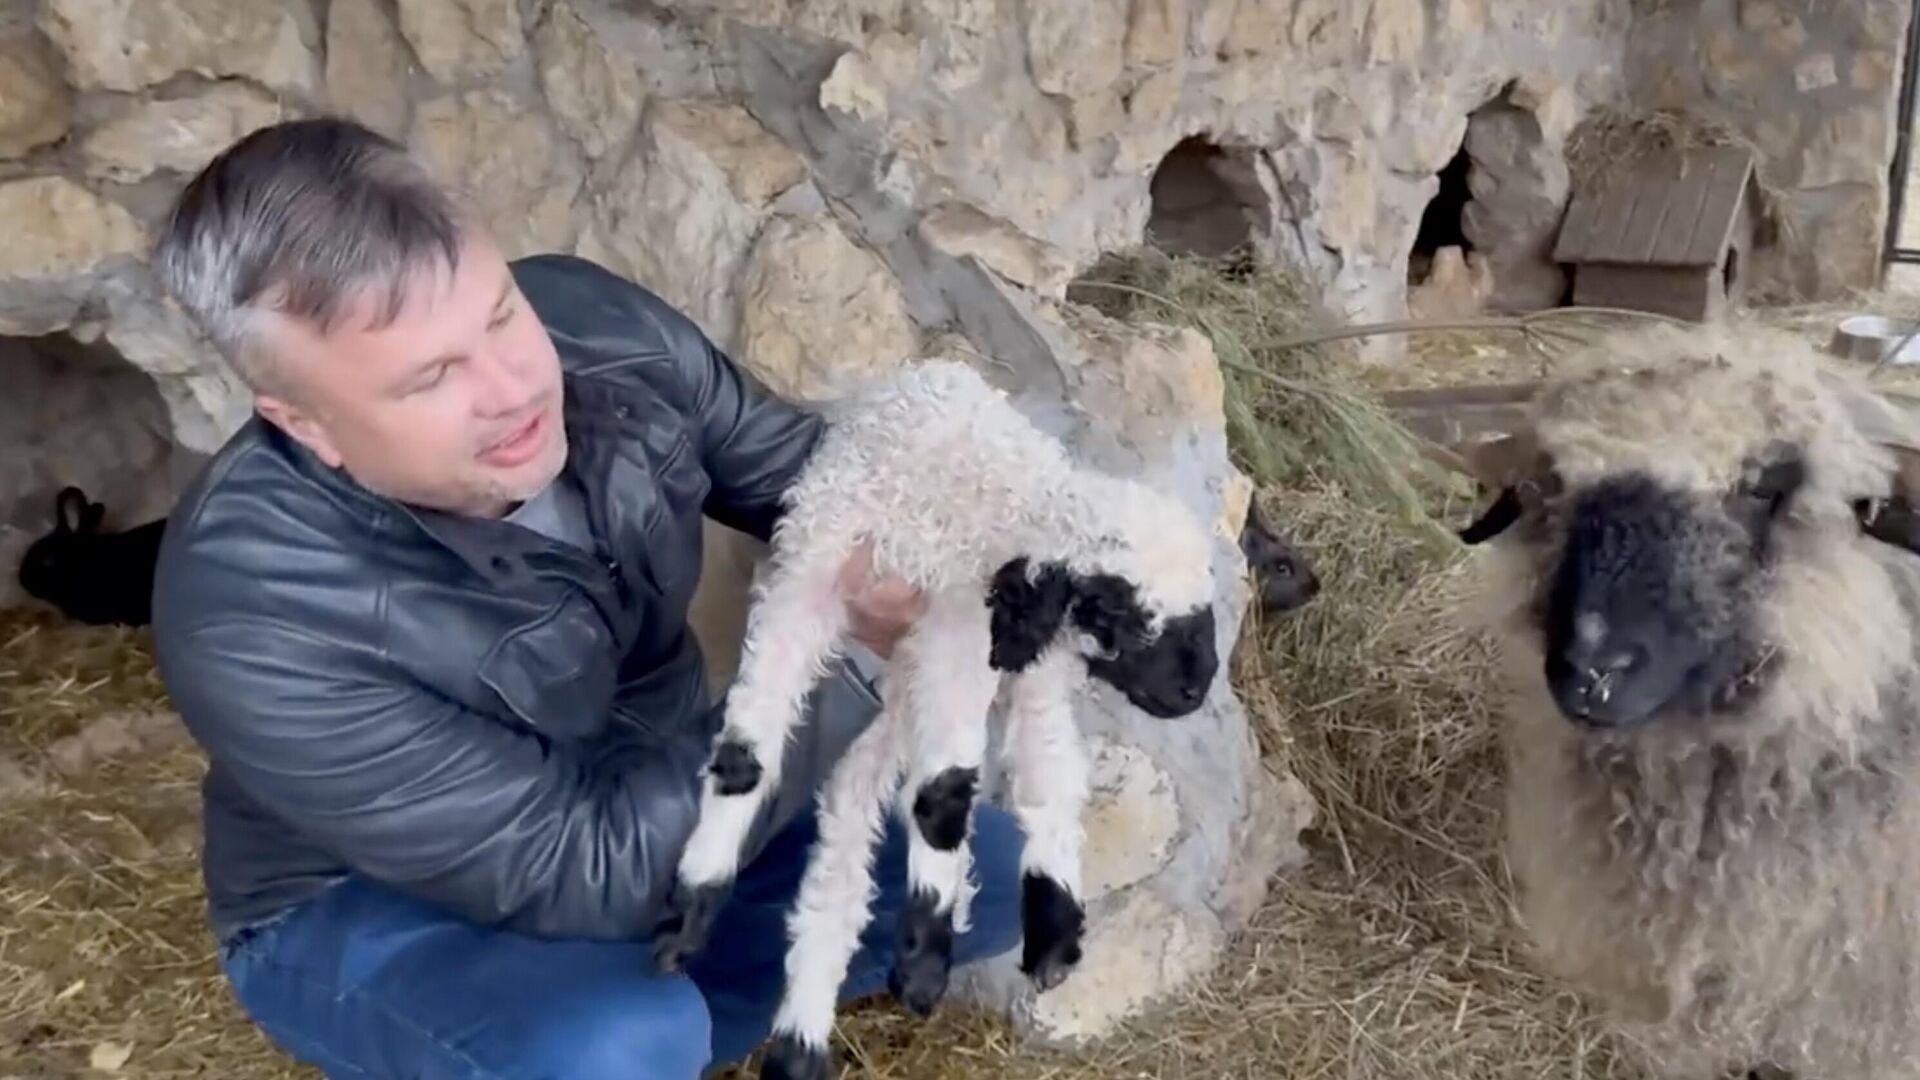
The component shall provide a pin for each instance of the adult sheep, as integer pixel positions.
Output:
(1038, 573)
(1709, 646)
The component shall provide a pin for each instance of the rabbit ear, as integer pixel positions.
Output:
(70, 509)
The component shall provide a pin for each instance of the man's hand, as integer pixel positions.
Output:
(880, 611)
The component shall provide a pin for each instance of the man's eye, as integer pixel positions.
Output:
(432, 380)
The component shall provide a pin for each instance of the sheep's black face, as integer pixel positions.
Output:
(1645, 614)
(1165, 674)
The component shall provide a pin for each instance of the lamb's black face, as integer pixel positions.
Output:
(1648, 609)
(1166, 675)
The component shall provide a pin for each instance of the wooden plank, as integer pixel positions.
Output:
(1451, 415)
(1456, 396)
(1716, 218)
(1672, 291)
(1670, 211)
(1612, 221)
(1654, 183)
(1686, 201)
(1576, 228)
(1451, 427)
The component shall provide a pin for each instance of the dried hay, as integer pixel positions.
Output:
(1299, 413)
(104, 955)
(54, 678)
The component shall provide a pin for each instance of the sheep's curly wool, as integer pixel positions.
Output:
(1741, 888)
(921, 462)
(1034, 568)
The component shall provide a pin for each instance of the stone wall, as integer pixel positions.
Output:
(1814, 84)
(829, 186)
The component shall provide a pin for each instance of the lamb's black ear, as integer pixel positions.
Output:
(1028, 607)
(1108, 607)
(1496, 519)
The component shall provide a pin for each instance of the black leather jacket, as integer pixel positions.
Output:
(499, 723)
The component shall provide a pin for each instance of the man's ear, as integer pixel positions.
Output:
(300, 425)
(1028, 607)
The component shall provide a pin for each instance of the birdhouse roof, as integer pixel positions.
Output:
(1674, 208)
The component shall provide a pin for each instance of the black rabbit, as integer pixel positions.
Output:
(93, 577)
(1285, 577)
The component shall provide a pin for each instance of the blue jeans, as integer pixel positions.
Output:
(364, 982)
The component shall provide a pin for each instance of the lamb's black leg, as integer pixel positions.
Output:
(919, 976)
(1053, 922)
(787, 1058)
(735, 770)
(941, 809)
(685, 932)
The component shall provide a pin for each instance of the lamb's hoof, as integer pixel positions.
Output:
(686, 932)
(787, 1058)
(1053, 922)
(735, 770)
(919, 976)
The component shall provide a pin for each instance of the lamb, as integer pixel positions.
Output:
(94, 577)
(1036, 571)
(1701, 572)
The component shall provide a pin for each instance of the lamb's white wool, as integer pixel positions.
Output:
(1047, 766)
(1035, 570)
(950, 481)
(838, 889)
(777, 670)
(953, 693)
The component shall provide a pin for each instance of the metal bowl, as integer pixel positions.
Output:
(1870, 338)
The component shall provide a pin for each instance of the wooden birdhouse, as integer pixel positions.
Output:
(1672, 235)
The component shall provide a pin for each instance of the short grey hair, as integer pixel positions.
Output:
(302, 218)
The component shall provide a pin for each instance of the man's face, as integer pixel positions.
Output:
(455, 405)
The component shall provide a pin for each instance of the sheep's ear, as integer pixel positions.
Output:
(1496, 519)
(1895, 519)
(1893, 516)
(1512, 465)
(1028, 606)
(1499, 463)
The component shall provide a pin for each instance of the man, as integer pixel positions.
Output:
(426, 614)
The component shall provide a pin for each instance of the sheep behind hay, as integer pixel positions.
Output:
(1033, 568)
(1708, 636)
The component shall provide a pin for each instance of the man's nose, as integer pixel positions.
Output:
(501, 387)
